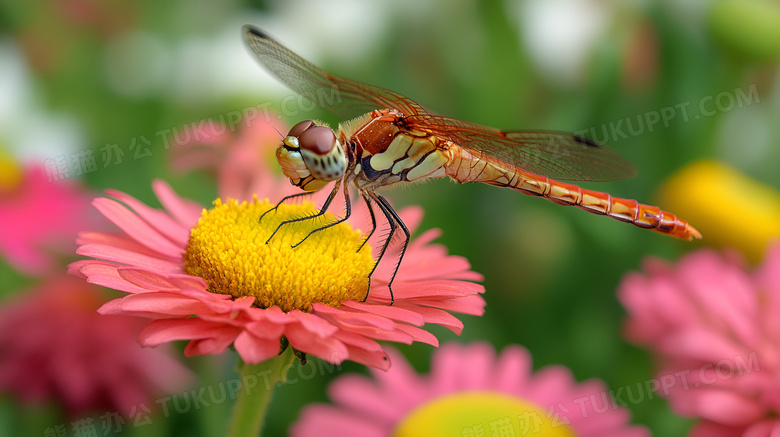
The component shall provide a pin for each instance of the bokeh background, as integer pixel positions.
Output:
(667, 84)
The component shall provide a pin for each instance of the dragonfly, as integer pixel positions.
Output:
(390, 139)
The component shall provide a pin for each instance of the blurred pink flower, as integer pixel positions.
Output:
(149, 260)
(715, 330)
(244, 162)
(55, 346)
(38, 216)
(463, 377)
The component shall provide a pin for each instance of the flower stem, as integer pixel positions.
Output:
(258, 382)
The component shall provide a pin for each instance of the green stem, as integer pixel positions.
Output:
(258, 382)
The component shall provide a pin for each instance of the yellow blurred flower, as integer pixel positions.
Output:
(10, 173)
(728, 207)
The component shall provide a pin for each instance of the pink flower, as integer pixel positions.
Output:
(38, 216)
(715, 330)
(469, 391)
(250, 294)
(54, 345)
(234, 157)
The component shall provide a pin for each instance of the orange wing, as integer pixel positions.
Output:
(556, 155)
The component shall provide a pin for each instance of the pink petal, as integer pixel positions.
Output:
(165, 330)
(473, 305)
(445, 369)
(728, 408)
(326, 420)
(346, 317)
(711, 429)
(436, 289)
(700, 343)
(184, 211)
(546, 385)
(146, 279)
(764, 428)
(329, 349)
(402, 387)
(424, 239)
(434, 315)
(136, 228)
(358, 341)
(734, 300)
(221, 304)
(254, 349)
(264, 329)
(194, 159)
(362, 396)
(158, 219)
(120, 241)
(111, 253)
(24, 256)
(394, 312)
(161, 304)
(418, 335)
(314, 324)
(212, 134)
(364, 350)
(376, 359)
(412, 216)
(768, 284)
(276, 315)
(511, 370)
(208, 346)
(73, 268)
(105, 274)
(183, 280)
(369, 331)
(477, 364)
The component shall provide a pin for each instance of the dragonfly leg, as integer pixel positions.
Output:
(394, 221)
(322, 211)
(347, 214)
(385, 205)
(373, 220)
(285, 199)
(385, 244)
(368, 199)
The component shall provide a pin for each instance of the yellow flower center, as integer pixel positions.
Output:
(478, 413)
(228, 249)
(10, 173)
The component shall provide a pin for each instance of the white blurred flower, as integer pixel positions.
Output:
(560, 34)
(214, 66)
(29, 131)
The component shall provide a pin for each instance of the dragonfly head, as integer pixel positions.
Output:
(311, 156)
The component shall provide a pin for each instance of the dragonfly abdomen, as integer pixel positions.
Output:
(465, 167)
(625, 210)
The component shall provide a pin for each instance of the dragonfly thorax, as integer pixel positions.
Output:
(311, 156)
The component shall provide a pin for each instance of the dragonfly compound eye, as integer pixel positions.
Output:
(322, 153)
(298, 129)
(317, 139)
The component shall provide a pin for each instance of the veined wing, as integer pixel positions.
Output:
(349, 98)
(557, 155)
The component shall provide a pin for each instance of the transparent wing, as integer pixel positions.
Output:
(342, 97)
(557, 155)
